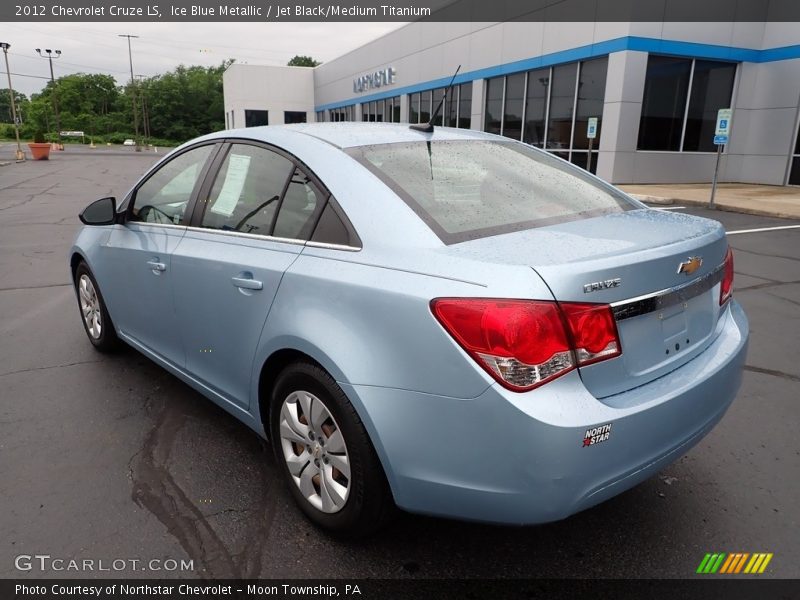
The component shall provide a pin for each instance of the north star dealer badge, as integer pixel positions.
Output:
(596, 435)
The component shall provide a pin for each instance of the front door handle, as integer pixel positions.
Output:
(247, 283)
(156, 266)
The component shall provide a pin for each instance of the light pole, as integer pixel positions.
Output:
(20, 156)
(50, 57)
(133, 91)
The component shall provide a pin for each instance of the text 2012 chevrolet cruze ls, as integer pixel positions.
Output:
(450, 322)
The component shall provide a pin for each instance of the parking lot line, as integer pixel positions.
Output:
(760, 229)
(668, 207)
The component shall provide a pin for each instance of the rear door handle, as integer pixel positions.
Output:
(156, 266)
(247, 283)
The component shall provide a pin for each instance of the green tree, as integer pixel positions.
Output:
(186, 102)
(20, 99)
(303, 61)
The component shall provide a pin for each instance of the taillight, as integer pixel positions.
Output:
(726, 289)
(525, 343)
(594, 331)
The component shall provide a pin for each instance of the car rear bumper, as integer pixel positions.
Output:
(521, 458)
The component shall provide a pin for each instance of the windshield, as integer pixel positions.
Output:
(469, 189)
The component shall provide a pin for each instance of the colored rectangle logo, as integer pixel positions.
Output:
(734, 563)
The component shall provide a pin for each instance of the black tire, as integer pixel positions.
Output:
(369, 503)
(107, 340)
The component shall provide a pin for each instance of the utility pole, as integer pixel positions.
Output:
(145, 115)
(49, 57)
(20, 156)
(133, 91)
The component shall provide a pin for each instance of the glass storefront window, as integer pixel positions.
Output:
(712, 86)
(413, 108)
(425, 106)
(536, 107)
(512, 114)
(562, 102)
(465, 105)
(550, 108)
(666, 122)
(494, 104)
(591, 95)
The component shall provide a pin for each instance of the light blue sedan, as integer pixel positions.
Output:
(451, 323)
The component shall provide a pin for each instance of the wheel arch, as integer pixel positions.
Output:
(75, 259)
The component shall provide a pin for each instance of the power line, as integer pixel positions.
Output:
(26, 75)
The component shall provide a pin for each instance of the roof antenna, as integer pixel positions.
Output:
(428, 127)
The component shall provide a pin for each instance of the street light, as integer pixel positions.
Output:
(20, 155)
(50, 57)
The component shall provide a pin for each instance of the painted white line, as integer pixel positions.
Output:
(764, 229)
(668, 207)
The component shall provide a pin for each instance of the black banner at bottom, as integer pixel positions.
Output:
(407, 589)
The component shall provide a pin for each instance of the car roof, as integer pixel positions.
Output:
(352, 134)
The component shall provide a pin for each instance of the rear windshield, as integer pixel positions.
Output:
(469, 189)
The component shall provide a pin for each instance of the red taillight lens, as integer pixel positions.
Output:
(524, 343)
(594, 331)
(726, 289)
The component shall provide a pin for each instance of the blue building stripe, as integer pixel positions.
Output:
(640, 44)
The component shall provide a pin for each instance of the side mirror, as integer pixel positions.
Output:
(100, 212)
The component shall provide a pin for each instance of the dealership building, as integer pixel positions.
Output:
(655, 89)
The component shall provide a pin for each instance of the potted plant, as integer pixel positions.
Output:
(40, 150)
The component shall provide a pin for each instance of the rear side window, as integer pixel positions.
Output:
(299, 208)
(472, 189)
(330, 228)
(247, 190)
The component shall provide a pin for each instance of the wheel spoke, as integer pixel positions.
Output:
(341, 462)
(328, 502)
(289, 416)
(304, 400)
(335, 443)
(335, 491)
(318, 415)
(290, 434)
(296, 463)
(306, 483)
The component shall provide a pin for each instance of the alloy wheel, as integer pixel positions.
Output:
(315, 451)
(90, 307)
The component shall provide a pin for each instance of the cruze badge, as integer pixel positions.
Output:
(602, 285)
(691, 265)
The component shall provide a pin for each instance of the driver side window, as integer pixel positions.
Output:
(163, 198)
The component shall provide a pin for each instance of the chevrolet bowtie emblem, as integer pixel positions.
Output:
(691, 265)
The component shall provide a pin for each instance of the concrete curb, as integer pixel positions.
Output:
(723, 206)
(652, 199)
(745, 210)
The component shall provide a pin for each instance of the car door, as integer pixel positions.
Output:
(139, 251)
(258, 212)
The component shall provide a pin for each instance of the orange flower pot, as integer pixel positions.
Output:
(39, 151)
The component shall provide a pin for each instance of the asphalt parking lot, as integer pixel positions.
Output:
(111, 457)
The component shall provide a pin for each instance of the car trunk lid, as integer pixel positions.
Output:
(666, 313)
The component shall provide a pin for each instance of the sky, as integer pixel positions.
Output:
(160, 47)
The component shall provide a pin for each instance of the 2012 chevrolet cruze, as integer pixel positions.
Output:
(449, 322)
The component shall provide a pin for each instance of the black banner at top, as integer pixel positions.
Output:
(399, 10)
